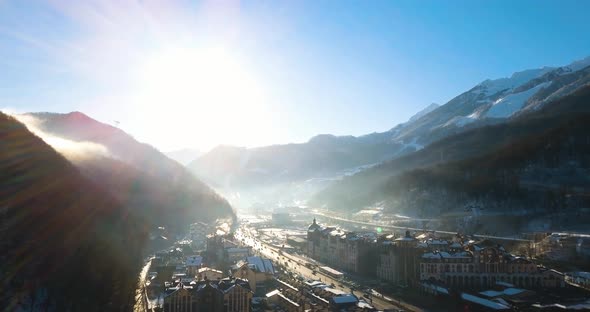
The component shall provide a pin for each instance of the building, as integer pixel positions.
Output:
(208, 274)
(579, 278)
(299, 243)
(223, 249)
(226, 295)
(399, 259)
(277, 299)
(193, 263)
(483, 264)
(198, 233)
(234, 254)
(256, 270)
(348, 251)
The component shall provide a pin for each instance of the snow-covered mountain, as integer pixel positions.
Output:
(493, 101)
(489, 102)
(423, 112)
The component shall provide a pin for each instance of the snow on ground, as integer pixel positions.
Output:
(507, 106)
(517, 79)
(413, 144)
(460, 121)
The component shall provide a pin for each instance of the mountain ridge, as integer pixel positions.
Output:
(176, 197)
(488, 102)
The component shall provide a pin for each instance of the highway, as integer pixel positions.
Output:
(297, 264)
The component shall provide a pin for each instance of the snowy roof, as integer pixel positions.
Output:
(288, 300)
(581, 274)
(446, 255)
(364, 305)
(484, 302)
(272, 293)
(313, 283)
(201, 270)
(513, 291)
(260, 264)
(287, 285)
(337, 232)
(330, 270)
(348, 298)
(491, 293)
(436, 288)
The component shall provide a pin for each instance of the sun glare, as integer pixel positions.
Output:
(202, 90)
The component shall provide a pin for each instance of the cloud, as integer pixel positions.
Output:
(73, 150)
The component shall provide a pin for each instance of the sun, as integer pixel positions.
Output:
(202, 90)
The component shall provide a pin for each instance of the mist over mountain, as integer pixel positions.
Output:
(184, 156)
(59, 229)
(152, 185)
(327, 158)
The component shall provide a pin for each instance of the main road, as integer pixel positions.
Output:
(298, 264)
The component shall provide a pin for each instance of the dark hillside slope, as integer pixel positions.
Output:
(65, 244)
(353, 193)
(151, 185)
(543, 173)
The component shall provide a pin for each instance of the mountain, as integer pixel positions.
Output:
(66, 244)
(323, 156)
(184, 156)
(493, 101)
(534, 164)
(152, 185)
(329, 157)
(423, 112)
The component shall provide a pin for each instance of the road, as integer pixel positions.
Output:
(296, 264)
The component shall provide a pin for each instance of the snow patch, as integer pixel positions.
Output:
(413, 144)
(507, 106)
(517, 79)
(460, 121)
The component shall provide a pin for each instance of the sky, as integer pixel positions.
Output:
(178, 74)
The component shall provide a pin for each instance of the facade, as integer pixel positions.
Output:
(482, 265)
(208, 274)
(399, 259)
(299, 243)
(198, 232)
(193, 263)
(255, 270)
(227, 295)
(234, 254)
(278, 299)
(222, 248)
(348, 251)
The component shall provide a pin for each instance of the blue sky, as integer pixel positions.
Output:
(251, 73)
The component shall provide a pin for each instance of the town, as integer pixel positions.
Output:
(284, 263)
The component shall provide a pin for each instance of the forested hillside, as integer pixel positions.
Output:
(67, 245)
